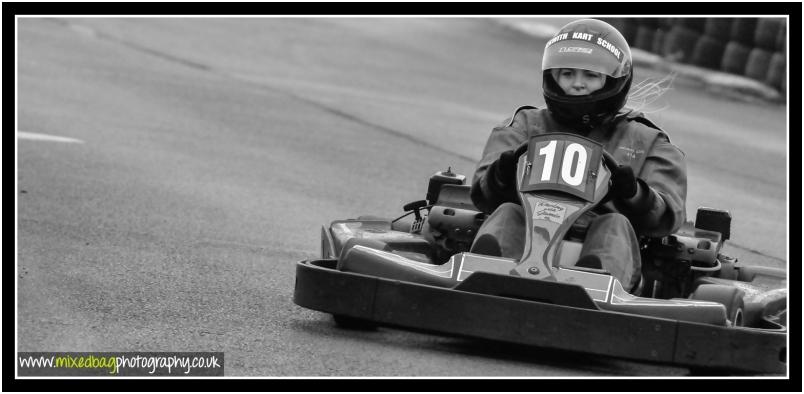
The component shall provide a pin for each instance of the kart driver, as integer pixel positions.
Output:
(587, 74)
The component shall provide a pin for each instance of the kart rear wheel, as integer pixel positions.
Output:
(730, 297)
(353, 323)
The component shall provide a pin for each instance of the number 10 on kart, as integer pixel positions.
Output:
(562, 163)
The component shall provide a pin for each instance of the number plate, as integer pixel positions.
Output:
(562, 163)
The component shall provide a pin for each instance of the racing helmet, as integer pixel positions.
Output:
(594, 45)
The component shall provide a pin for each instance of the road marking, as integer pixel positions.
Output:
(24, 135)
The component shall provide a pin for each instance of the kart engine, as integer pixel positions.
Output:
(453, 221)
(673, 263)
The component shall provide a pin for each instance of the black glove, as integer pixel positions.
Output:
(498, 185)
(501, 175)
(630, 193)
(623, 183)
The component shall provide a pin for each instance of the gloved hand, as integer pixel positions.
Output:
(498, 185)
(502, 173)
(623, 182)
(629, 192)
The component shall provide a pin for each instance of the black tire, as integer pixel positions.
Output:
(758, 64)
(735, 57)
(352, 323)
(743, 29)
(680, 43)
(630, 26)
(731, 297)
(696, 24)
(644, 38)
(781, 39)
(708, 52)
(776, 70)
(658, 41)
(767, 32)
(719, 28)
(652, 23)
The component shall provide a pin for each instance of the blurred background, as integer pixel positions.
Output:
(752, 47)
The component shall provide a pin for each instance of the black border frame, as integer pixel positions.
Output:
(792, 9)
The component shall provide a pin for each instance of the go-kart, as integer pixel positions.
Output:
(697, 307)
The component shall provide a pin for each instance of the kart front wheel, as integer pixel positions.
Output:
(730, 297)
(353, 323)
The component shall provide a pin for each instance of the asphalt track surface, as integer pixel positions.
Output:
(210, 152)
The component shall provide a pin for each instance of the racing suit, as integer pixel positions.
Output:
(613, 228)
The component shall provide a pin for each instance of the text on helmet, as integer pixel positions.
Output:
(589, 38)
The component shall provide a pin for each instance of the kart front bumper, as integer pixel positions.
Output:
(319, 286)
